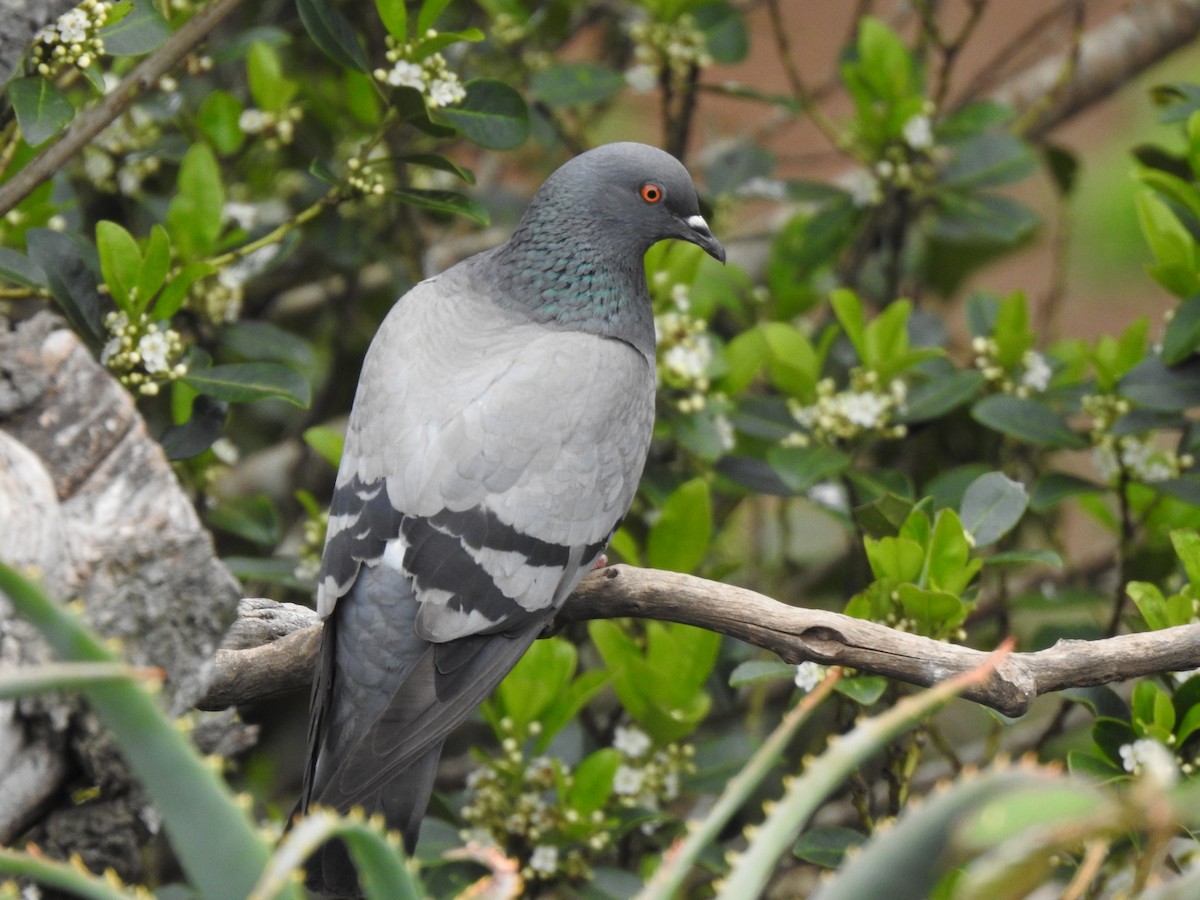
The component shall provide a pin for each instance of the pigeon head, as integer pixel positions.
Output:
(634, 194)
(576, 259)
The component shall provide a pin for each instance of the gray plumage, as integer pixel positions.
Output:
(499, 430)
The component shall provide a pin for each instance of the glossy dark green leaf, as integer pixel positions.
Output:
(989, 160)
(802, 467)
(1182, 335)
(17, 268)
(575, 83)
(1026, 420)
(756, 671)
(253, 518)
(946, 489)
(1160, 387)
(1063, 166)
(142, 30)
(259, 341)
(938, 396)
(42, 109)
(969, 218)
(826, 846)
(72, 273)
(445, 202)
(724, 30)
(754, 474)
(883, 516)
(436, 161)
(992, 506)
(199, 432)
(1055, 487)
(248, 382)
(493, 115)
(332, 32)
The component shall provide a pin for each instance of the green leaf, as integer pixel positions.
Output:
(1026, 420)
(678, 541)
(202, 820)
(1053, 488)
(948, 566)
(936, 613)
(575, 83)
(792, 361)
(332, 32)
(71, 270)
(1158, 387)
(992, 507)
(1187, 548)
(934, 398)
(327, 442)
(542, 674)
(195, 214)
(593, 781)
(1182, 335)
(445, 202)
(989, 160)
(142, 30)
(802, 467)
(19, 269)
(264, 74)
(436, 161)
(176, 291)
(755, 671)
(198, 433)
(42, 110)
(865, 690)
(153, 270)
(253, 518)
(897, 558)
(982, 218)
(883, 516)
(1025, 558)
(394, 16)
(724, 31)
(428, 14)
(826, 846)
(493, 115)
(248, 382)
(120, 261)
(848, 309)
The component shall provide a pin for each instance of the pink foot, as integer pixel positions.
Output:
(601, 561)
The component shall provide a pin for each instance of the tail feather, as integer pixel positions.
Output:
(383, 702)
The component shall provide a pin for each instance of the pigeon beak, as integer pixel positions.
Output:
(701, 235)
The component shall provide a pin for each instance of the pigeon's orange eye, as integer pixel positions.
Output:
(651, 192)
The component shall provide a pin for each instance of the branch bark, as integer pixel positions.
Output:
(794, 633)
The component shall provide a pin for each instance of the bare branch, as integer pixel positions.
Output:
(91, 122)
(794, 633)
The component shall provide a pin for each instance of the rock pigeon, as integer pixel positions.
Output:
(497, 437)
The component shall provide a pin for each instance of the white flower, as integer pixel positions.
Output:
(446, 91)
(155, 351)
(98, 167)
(109, 350)
(1181, 677)
(641, 78)
(1037, 371)
(829, 494)
(918, 132)
(252, 120)
(864, 189)
(809, 675)
(724, 430)
(631, 741)
(407, 74)
(1149, 759)
(863, 408)
(766, 188)
(689, 360)
(244, 214)
(73, 27)
(544, 859)
(628, 780)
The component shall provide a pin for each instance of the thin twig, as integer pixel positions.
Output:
(91, 122)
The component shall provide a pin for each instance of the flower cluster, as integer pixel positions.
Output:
(430, 75)
(367, 181)
(220, 297)
(73, 40)
(117, 161)
(1133, 455)
(677, 47)
(278, 128)
(685, 352)
(867, 408)
(1032, 376)
(522, 805)
(143, 354)
(808, 675)
(1147, 758)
